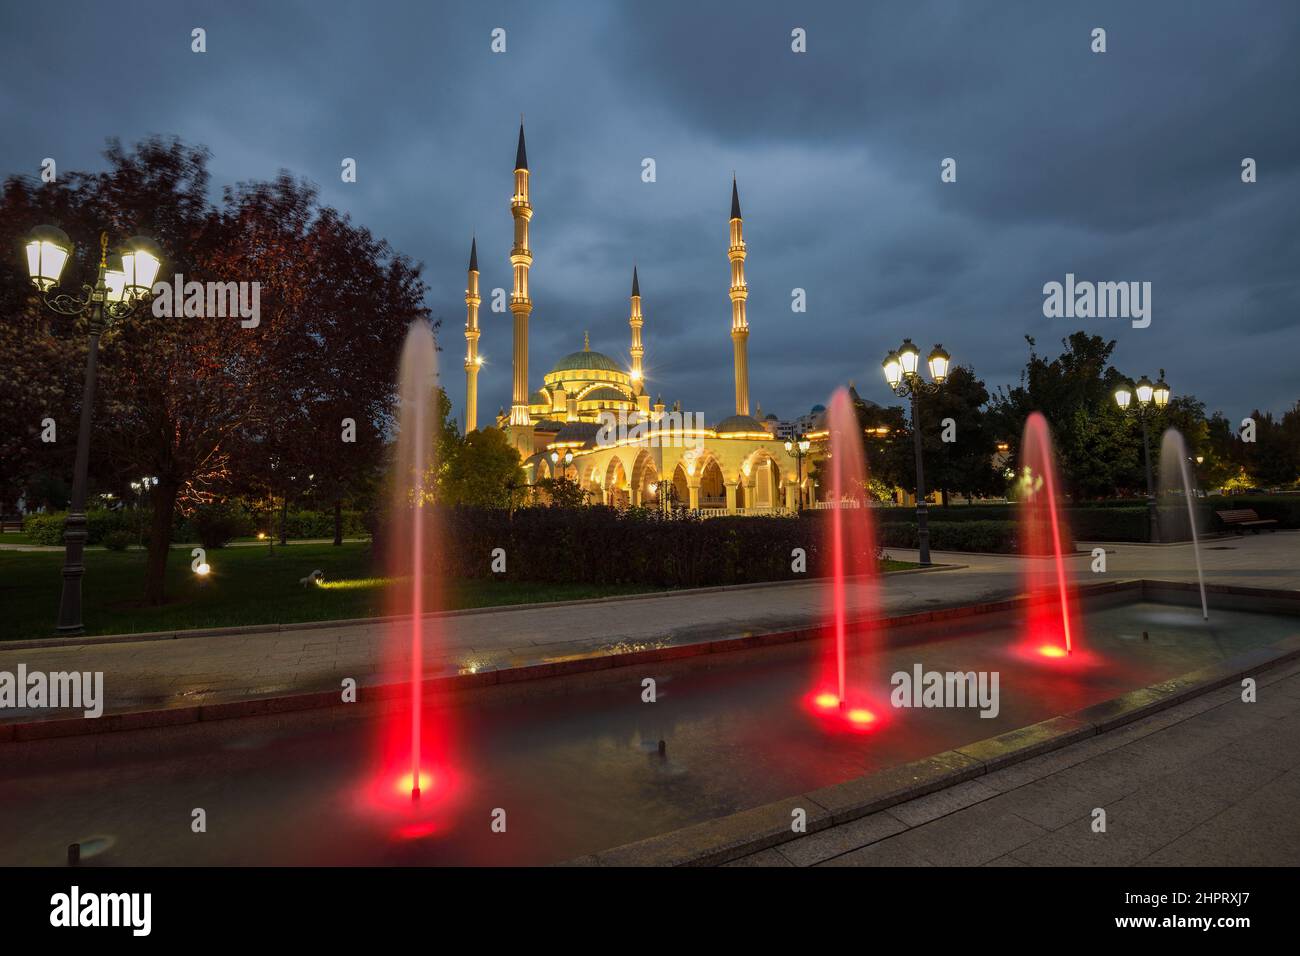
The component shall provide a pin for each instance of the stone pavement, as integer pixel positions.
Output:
(166, 673)
(1213, 781)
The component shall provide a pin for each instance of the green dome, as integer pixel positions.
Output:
(580, 361)
(605, 393)
(739, 424)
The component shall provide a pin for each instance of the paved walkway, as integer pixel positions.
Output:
(1210, 782)
(162, 673)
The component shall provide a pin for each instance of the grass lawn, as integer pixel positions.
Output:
(246, 586)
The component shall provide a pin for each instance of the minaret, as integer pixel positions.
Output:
(739, 292)
(521, 304)
(472, 360)
(635, 320)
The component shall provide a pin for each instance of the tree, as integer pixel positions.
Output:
(1273, 459)
(964, 465)
(562, 492)
(484, 470)
(210, 406)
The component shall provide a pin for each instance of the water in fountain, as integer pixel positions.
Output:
(1178, 512)
(1044, 540)
(412, 751)
(851, 566)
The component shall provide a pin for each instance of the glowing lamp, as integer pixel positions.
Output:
(938, 362)
(1160, 393)
(141, 261)
(909, 356)
(893, 369)
(568, 458)
(555, 457)
(1144, 390)
(203, 569)
(48, 248)
(1123, 395)
(115, 281)
(653, 487)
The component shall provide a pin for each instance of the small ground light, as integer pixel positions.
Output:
(203, 569)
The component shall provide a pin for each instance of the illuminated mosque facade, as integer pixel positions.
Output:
(654, 455)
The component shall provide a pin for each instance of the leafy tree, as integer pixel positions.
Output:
(1273, 459)
(484, 470)
(206, 405)
(965, 465)
(562, 492)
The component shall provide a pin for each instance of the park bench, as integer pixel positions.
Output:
(11, 523)
(1241, 518)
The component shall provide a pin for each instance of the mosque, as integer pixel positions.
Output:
(565, 426)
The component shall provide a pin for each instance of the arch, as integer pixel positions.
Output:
(644, 474)
(681, 486)
(761, 480)
(616, 483)
(713, 491)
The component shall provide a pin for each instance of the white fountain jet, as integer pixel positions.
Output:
(1174, 473)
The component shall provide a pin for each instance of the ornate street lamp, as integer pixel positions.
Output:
(1150, 400)
(796, 450)
(902, 374)
(116, 294)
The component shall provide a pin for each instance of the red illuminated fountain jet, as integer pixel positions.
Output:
(413, 766)
(1044, 536)
(851, 567)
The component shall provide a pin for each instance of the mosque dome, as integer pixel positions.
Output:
(605, 393)
(574, 432)
(582, 361)
(739, 424)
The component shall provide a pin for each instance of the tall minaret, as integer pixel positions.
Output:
(637, 350)
(521, 304)
(739, 292)
(472, 360)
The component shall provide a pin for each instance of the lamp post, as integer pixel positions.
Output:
(1151, 399)
(902, 372)
(116, 294)
(797, 449)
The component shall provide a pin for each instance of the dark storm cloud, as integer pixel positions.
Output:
(1120, 166)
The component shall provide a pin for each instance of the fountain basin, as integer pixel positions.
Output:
(573, 758)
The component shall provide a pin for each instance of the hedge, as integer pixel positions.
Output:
(601, 545)
(999, 537)
(47, 528)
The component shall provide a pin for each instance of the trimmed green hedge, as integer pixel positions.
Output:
(998, 537)
(600, 545)
(48, 528)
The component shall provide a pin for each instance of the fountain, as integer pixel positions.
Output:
(409, 751)
(1174, 474)
(1053, 629)
(852, 564)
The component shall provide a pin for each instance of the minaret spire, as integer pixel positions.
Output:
(472, 359)
(635, 320)
(739, 292)
(521, 304)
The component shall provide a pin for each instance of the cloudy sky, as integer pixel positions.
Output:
(1122, 166)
